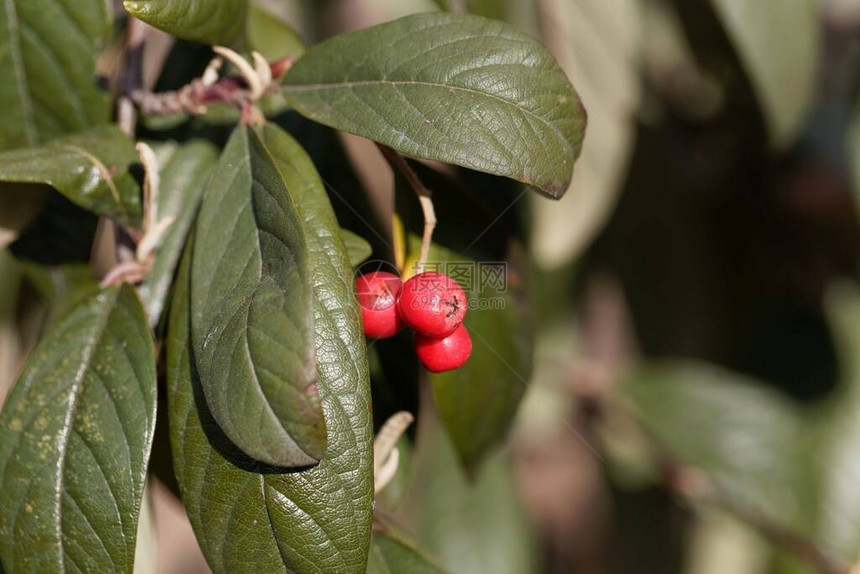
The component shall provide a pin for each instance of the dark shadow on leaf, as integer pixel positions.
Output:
(216, 437)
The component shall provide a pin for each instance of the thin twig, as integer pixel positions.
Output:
(191, 99)
(425, 198)
(695, 486)
(109, 241)
(132, 75)
(194, 97)
(237, 91)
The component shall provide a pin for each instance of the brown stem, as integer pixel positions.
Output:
(695, 486)
(192, 98)
(109, 239)
(425, 198)
(132, 75)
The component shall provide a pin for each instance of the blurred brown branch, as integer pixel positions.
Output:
(695, 487)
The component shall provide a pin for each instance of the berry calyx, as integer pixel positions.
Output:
(377, 296)
(432, 303)
(445, 353)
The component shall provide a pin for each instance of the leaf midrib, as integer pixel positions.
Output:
(437, 85)
(20, 73)
(77, 382)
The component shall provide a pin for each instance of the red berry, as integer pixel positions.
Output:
(432, 303)
(377, 296)
(444, 354)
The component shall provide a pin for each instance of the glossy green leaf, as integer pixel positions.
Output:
(75, 436)
(205, 21)
(460, 89)
(748, 438)
(349, 197)
(184, 170)
(90, 169)
(271, 36)
(248, 517)
(253, 310)
(48, 65)
(357, 249)
(778, 44)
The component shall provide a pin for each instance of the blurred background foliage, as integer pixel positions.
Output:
(693, 398)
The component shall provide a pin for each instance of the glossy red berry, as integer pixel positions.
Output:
(377, 296)
(446, 353)
(432, 303)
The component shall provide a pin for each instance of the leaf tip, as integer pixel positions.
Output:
(134, 7)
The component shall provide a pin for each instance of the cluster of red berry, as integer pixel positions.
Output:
(431, 303)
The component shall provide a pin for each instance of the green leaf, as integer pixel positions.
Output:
(778, 44)
(205, 21)
(602, 52)
(184, 170)
(75, 436)
(357, 249)
(473, 524)
(838, 521)
(455, 88)
(61, 288)
(271, 36)
(390, 554)
(748, 438)
(90, 169)
(349, 197)
(390, 498)
(253, 310)
(247, 517)
(48, 65)
(10, 285)
(478, 402)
